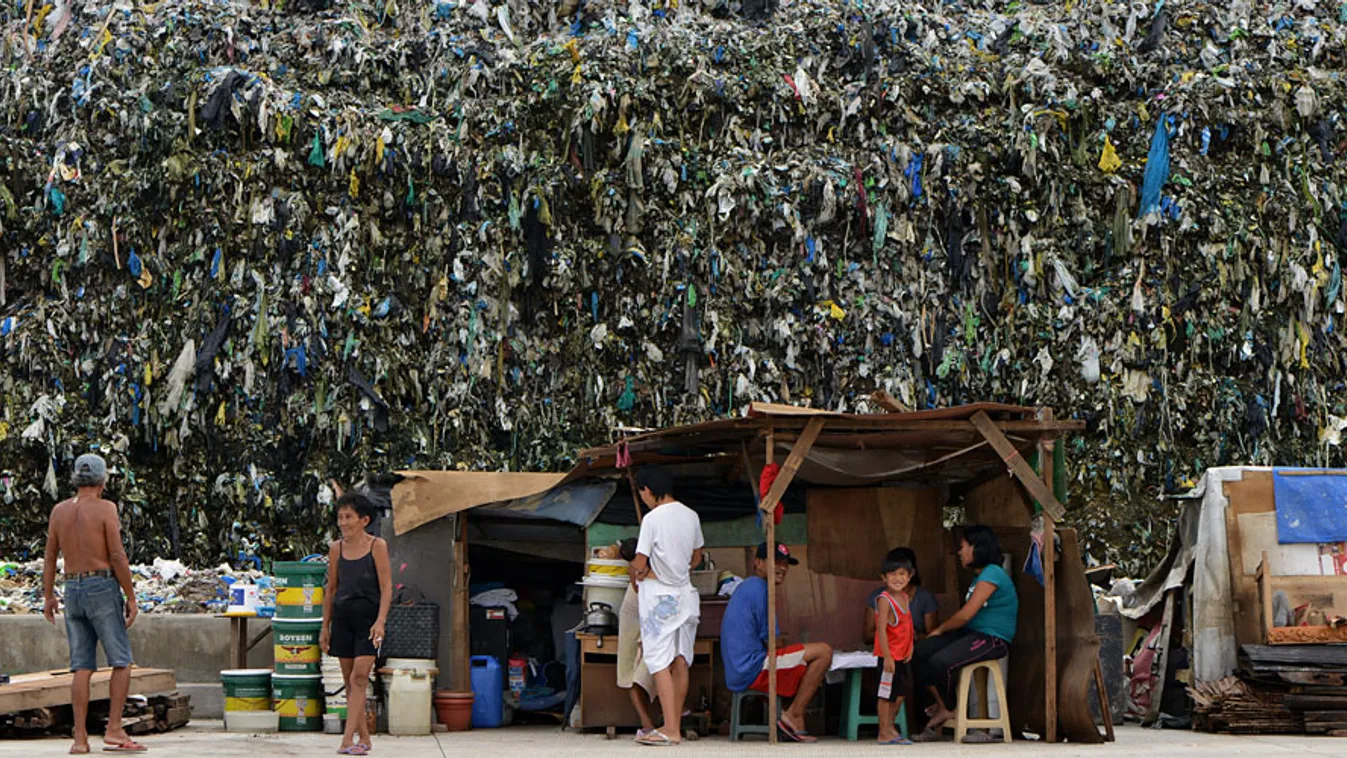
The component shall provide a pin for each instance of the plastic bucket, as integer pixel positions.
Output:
(246, 690)
(296, 645)
(242, 600)
(299, 701)
(605, 567)
(605, 589)
(299, 589)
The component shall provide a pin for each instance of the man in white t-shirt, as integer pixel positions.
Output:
(669, 546)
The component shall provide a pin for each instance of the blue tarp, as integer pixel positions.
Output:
(1311, 505)
(578, 503)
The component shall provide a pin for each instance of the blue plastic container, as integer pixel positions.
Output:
(488, 687)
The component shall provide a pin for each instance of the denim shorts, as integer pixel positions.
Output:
(95, 612)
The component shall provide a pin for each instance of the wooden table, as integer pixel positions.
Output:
(239, 644)
(603, 705)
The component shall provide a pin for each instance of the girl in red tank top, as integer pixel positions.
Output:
(893, 645)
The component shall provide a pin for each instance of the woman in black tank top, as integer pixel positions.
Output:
(355, 607)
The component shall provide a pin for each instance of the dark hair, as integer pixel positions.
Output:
(986, 548)
(360, 503)
(657, 479)
(627, 549)
(910, 556)
(892, 564)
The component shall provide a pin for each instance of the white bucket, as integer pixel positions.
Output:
(255, 722)
(607, 568)
(603, 589)
(242, 600)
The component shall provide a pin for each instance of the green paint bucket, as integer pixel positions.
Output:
(299, 700)
(246, 690)
(299, 589)
(296, 645)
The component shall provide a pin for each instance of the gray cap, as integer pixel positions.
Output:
(90, 471)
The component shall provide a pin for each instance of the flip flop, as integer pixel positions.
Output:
(979, 738)
(793, 734)
(353, 750)
(130, 746)
(655, 739)
(930, 735)
(897, 741)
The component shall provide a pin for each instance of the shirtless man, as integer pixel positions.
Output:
(86, 532)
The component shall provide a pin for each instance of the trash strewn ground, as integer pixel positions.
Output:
(163, 587)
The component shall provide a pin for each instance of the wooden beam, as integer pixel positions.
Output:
(461, 647)
(769, 515)
(797, 453)
(889, 402)
(1018, 466)
(1105, 709)
(48, 689)
(1045, 461)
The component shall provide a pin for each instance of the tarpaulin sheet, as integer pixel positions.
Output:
(576, 503)
(1311, 505)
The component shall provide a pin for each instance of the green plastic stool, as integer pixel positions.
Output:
(738, 729)
(853, 719)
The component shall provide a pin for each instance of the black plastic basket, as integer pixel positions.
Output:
(413, 628)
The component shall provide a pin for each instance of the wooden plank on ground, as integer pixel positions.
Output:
(1018, 466)
(46, 689)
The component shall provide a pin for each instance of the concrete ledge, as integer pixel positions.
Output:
(194, 647)
(207, 700)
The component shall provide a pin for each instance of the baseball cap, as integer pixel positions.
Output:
(90, 468)
(782, 554)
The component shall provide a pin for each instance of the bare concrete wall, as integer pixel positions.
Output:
(424, 559)
(195, 647)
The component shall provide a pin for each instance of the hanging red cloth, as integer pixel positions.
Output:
(769, 474)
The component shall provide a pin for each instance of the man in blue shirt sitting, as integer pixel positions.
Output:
(743, 645)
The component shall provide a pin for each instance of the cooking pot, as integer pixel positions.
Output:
(600, 619)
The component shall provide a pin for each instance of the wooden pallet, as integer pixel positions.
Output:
(47, 689)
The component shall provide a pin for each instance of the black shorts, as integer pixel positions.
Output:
(351, 623)
(902, 680)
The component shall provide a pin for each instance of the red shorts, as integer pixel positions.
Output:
(790, 668)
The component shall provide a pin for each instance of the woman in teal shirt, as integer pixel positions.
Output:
(981, 630)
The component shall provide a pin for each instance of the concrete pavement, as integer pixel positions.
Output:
(208, 741)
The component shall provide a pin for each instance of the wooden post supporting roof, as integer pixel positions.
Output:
(767, 507)
(1018, 466)
(1045, 461)
(770, 517)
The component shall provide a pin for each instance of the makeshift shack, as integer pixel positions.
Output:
(1258, 561)
(852, 486)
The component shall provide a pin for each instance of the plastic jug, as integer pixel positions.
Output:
(488, 685)
(409, 700)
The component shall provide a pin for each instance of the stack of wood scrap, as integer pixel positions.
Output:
(162, 713)
(1235, 706)
(1280, 689)
(40, 702)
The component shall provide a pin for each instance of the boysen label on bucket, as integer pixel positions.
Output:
(296, 645)
(299, 701)
(299, 589)
(247, 689)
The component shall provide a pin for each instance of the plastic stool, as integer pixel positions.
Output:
(853, 719)
(738, 728)
(977, 673)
